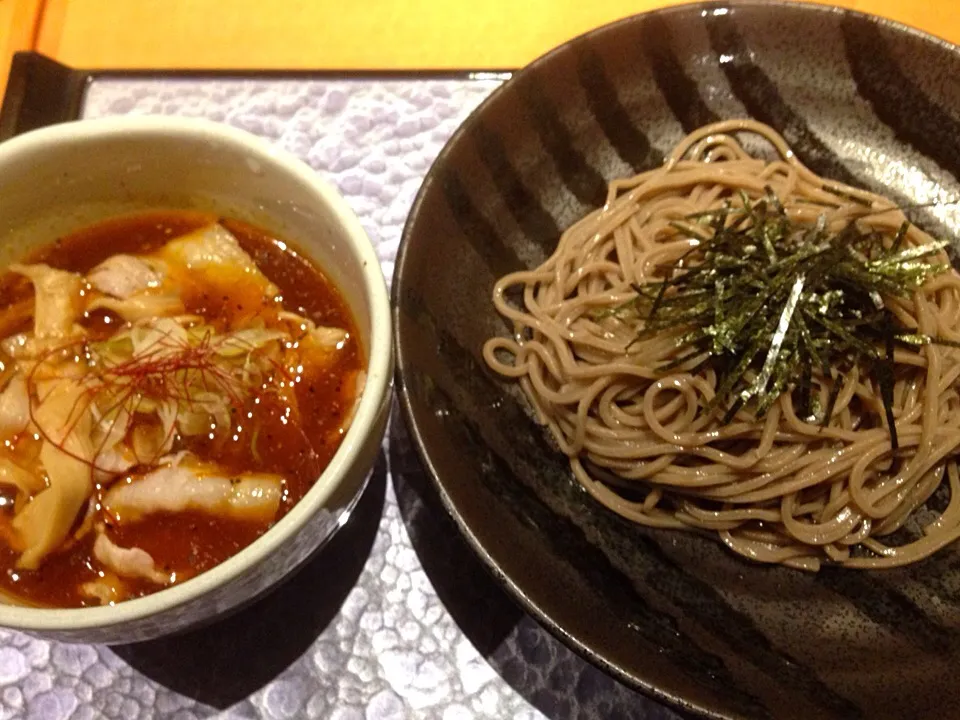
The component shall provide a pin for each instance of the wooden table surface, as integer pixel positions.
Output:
(338, 34)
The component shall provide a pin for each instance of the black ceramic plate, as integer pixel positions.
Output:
(861, 100)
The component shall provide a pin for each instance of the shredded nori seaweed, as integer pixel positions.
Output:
(766, 301)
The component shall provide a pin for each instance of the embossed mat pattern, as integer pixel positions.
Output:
(395, 618)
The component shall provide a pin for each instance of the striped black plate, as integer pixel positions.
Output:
(860, 99)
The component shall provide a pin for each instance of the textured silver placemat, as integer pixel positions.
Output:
(395, 618)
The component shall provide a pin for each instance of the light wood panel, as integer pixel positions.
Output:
(317, 33)
(18, 27)
(337, 34)
(358, 34)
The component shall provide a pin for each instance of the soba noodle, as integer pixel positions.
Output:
(778, 489)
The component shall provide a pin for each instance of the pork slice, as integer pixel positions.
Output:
(180, 488)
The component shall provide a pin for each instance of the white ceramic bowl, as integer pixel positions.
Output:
(59, 179)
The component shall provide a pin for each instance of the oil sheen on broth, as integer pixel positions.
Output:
(171, 385)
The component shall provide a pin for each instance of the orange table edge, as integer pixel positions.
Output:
(331, 34)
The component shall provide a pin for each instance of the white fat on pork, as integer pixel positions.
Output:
(14, 407)
(177, 488)
(320, 336)
(214, 250)
(65, 455)
(140, 307)
(328, 338)
(108, 590)
(112, 463)
(27, 346)
(58, 301)
(128, 562)
(123, 276)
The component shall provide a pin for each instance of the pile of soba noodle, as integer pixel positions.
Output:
(793, 491)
